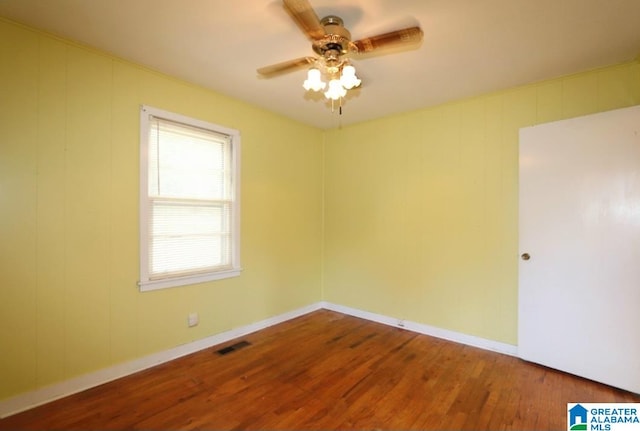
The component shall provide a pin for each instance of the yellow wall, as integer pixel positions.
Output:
(421, 208)
(69, 214)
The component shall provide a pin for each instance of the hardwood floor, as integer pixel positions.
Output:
(329, 371)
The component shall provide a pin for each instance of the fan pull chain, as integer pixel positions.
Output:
(333, 108)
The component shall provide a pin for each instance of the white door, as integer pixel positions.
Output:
(579, 290)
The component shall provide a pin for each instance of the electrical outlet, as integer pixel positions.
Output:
(193, 319)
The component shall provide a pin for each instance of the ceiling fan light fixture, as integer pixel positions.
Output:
(314, 80)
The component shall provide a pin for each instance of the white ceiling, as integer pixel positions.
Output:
(470, 47)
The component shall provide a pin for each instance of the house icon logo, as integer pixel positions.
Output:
(577, 418)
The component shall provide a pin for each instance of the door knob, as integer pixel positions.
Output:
(525, 256)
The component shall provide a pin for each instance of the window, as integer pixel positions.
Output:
(189, 209)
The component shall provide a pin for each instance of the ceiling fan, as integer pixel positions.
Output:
(332, 43)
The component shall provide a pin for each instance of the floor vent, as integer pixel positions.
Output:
(232, 348)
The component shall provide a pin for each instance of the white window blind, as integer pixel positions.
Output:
(189, 231)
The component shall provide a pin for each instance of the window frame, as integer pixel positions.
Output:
(146, 283)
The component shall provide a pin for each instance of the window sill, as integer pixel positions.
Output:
(150, 285)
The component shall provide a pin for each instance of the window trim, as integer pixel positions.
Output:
(146, 283)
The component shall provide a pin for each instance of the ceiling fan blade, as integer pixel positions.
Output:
(406, 35)
(304, 15)
(286, 66)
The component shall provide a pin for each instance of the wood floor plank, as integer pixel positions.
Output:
(328, 371)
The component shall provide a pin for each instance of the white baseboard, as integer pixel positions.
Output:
(458, 337)
(53, 392)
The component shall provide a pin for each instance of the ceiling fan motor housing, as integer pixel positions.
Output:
(336, 38)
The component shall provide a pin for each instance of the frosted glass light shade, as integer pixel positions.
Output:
(336, 90)
(314, 80)
(349, 78)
